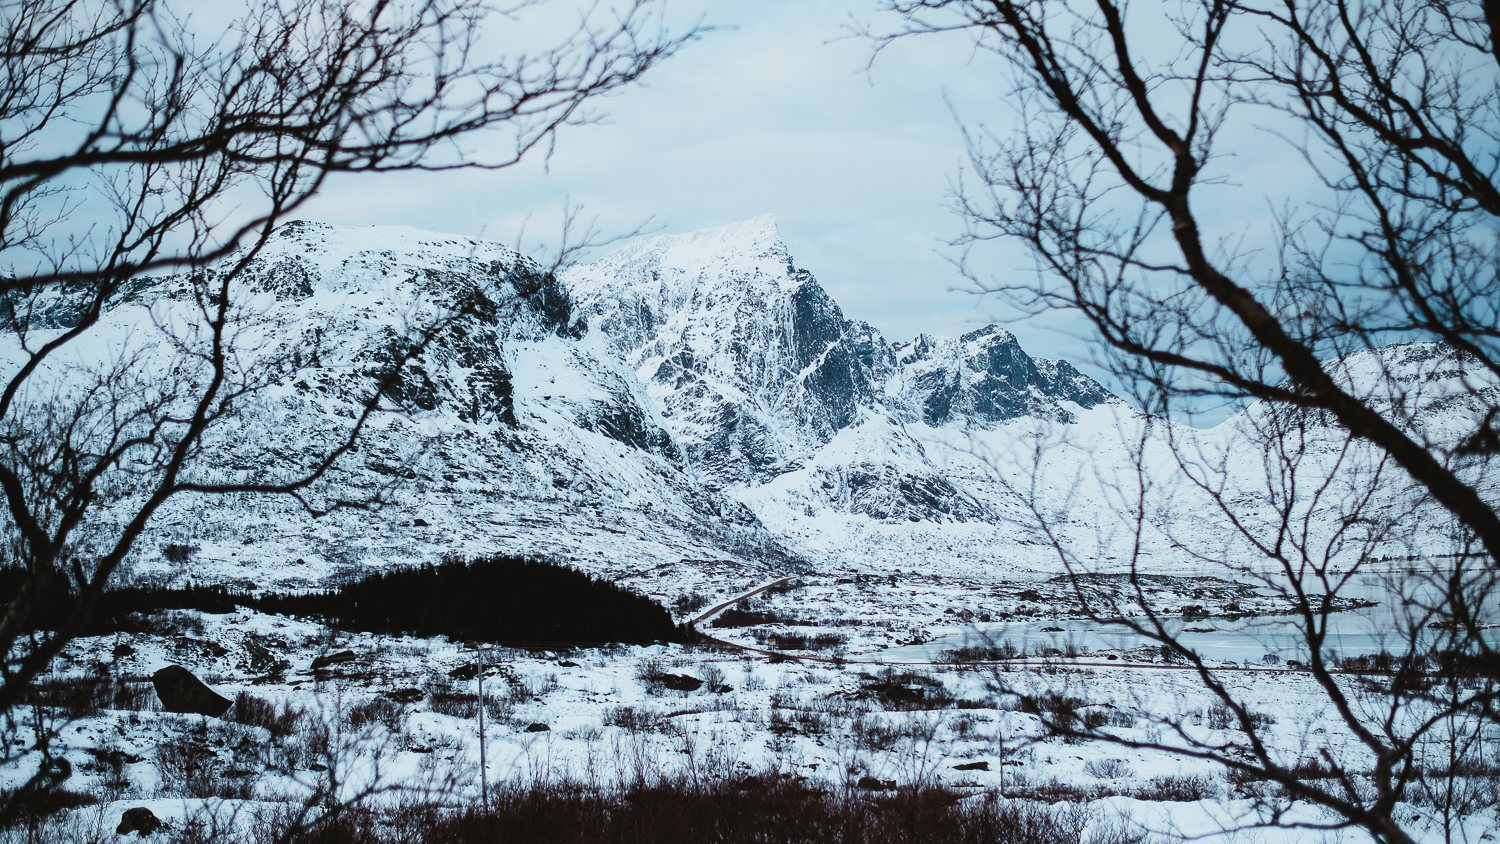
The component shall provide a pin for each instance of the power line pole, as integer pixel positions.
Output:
(484, 771)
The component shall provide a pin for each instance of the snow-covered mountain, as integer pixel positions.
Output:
(689, 413)
(518, 429)
(756, 371)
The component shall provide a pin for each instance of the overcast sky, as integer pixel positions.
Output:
(771, 114)
(775, 113)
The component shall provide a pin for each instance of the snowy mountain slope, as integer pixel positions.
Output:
(868, 452)
(759, 376)
(1435, 392)
(693, 413)
(749, 360)
(984, 376)
(517, 431)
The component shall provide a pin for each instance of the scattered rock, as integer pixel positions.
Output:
(465, 672)
(538, 728)
(566, 664)
(332, 659)
(680, 682)
(1198, 630)
(198, 648)
(872, 784)
(122, 650)
(1052, 630)
(898, 692)
(260, 660)
(973, 766)
(180, 691)
(140, 819)
(404, 695)
(721, 689)
(735, 617)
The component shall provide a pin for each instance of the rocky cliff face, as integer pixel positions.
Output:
(753, 367)
(756, 369)
(517, 430)
(985, 377)
(691, 412)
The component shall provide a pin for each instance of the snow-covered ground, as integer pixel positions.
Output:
(400, 715)
(693, 417)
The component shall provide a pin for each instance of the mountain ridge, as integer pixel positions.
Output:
(688, 413)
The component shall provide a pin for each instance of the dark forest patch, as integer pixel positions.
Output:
(493, 599)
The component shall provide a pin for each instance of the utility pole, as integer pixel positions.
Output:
(1001, 732)
(484, 771)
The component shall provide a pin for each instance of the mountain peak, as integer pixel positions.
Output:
(753, 246)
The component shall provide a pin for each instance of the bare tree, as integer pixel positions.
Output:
(1395, 107)
(136, 142)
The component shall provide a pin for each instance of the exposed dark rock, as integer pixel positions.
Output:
(734, 617)
(973, 766)
(826, 357)
(886, 494)
(332, 659)
(680, 682)
(898, 692)
(288, 278)
(538, 728)
(407, 695)
(872, 784)
(985, 376)
(260, 660)
(626, 423)
(140, 819)
(181, 691)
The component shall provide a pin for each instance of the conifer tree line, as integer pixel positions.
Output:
(490, 599)
(499, 599)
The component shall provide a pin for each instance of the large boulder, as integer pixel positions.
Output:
(140, 819)
(336, 658)
(180, 691)
(681, 682)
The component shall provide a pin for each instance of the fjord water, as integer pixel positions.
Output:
(1356, 632)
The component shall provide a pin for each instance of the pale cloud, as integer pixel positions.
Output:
(778, 114)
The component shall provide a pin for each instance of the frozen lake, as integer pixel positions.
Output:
(1351, 633)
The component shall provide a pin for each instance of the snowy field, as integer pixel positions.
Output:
(398, 718)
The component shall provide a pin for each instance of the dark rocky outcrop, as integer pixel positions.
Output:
(181, 691)
(985, 376)
(680, 682)
(335, 658)
(140, 819)
(756, 368)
